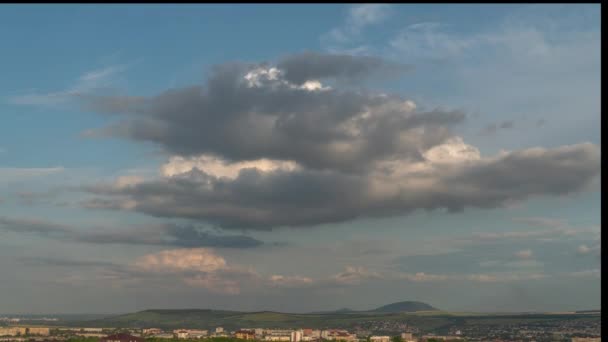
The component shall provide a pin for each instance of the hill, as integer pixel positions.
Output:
(407, 306)
(424, 317)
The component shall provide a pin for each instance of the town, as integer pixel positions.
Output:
(524, 332)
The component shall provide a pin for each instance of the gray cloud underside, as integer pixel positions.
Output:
(261, 200)
(159, 234)
(277, 120)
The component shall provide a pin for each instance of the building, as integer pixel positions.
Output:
(22, 331)
(244, 334)
(284, 338)
(296, 336)
(407, 336)
(122, 338)
(441, 337)
(219, 330)
(277, 335)
(151, 331)
(90, 334)
(181, 334)
(380, 339)
(337, 335)
(195, 333)
(9, 331)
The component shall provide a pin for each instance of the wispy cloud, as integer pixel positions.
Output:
(151, 234)
(11, 174)
(524, 254)
(89, 81)
(493, 128)
(359, 18)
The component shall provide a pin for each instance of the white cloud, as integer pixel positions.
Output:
(12, 174)
(87, 82)
(359, 17)
(290, 281)
(592, 273)
(354, 276)
(179, 260)
(505, 277)
(524, 254)
(220, 168)
(584, 249)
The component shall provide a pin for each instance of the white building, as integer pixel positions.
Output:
(277, 338)
(380, 339)
(181, 334)
(296, 335)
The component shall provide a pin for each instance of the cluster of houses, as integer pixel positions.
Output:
(276, 335)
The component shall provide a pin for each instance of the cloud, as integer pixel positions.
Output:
(151, 234)
(354, 276)
(542, 222)
(543, 235)
(540, 122)
(33, 198)
(456, 179)
(524, 254)
(261, 146)
(290, 281)
(13, 174)
(193, 267)
(194, 259)
(86, 83)
(357, 275)
(424, 277)
(204, 268)
(594, 273)
(32, 226)
(47, 261)
(584, 249)
(359, 17)
(310, 65)
(505, 277)
(251, 112)
(493, 128)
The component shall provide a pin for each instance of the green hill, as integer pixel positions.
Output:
(424, 317)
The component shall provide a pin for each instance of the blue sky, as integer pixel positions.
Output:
(87, 209)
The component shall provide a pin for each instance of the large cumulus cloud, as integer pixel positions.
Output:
(258, 199)
(262, 146)
(248, 112)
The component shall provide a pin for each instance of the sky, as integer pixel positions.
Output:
(299, 158)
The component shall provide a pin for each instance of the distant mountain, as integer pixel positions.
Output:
(406, 306)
